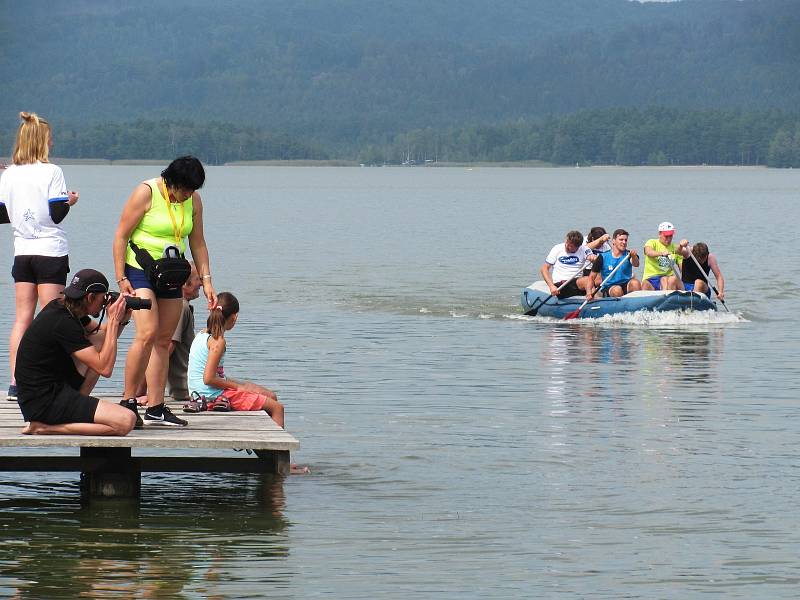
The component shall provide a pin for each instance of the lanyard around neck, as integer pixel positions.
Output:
(175, 229)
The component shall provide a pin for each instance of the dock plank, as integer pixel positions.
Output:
(109, 469)
(212, 430)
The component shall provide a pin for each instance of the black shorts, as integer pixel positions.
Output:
(569, 290)
(624, 287)
(32, 268)
(68, 406)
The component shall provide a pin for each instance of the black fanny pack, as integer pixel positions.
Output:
(167, 273)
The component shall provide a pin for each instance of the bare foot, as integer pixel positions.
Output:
(141, 400)
(32, 428)
(299, 469)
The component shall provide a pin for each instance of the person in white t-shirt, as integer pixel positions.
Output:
(34, 199)
(594, 233)
(566, 261)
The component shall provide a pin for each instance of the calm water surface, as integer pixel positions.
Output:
(458, 449)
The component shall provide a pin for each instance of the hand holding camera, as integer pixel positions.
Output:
(115, 309)
(131, 302)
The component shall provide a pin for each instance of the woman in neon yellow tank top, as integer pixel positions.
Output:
(160, 212)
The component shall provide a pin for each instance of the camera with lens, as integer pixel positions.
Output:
(131, 302)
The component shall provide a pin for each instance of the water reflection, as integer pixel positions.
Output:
(195, 537)
(678, 358)
(559, 351)
(576, 359)
(587, 360)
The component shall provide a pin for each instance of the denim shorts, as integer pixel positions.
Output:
(139, 280)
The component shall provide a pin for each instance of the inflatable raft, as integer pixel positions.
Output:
(536, 300)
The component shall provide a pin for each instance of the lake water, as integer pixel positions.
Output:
(457, 448)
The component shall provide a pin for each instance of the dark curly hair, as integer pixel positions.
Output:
(185, 172)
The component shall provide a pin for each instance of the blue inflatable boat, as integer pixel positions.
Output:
(536, 300)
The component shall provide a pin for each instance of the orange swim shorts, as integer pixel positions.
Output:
(241, 400)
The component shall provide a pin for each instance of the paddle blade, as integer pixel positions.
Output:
(576, 313)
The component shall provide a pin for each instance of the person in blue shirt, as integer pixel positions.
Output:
(623, 281)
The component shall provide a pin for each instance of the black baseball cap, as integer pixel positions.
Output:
(86, 281)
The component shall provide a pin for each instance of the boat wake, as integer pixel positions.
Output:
(650, 319)
(505, 311)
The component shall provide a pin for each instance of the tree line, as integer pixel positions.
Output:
(213, 143)
(621, 136)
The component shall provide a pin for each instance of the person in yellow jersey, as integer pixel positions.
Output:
(160, 215)
(660, 256)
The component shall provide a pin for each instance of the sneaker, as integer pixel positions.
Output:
(161, 415)
(12, 393)
(219, 404)
(130, 403)
(195, 404)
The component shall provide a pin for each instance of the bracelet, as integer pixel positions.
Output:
(205, 276)
(121, 279)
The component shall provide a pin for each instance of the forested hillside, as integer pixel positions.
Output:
(339, 77)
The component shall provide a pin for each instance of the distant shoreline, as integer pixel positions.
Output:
(525, 164)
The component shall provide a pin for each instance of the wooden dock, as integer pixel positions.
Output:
(108, 466)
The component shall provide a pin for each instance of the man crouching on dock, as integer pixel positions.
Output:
(58, 363)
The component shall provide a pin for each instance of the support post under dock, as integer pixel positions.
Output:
(109, 469)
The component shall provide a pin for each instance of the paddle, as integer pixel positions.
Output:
(534, 311)
(708, 281)
(574, 314)
(675, 269)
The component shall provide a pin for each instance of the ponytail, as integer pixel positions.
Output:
(32, 143)
(227, 305)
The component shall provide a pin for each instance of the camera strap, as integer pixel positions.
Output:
(100, 322)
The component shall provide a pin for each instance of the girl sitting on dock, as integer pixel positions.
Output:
(206, 373)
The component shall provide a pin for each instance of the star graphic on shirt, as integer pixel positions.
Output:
(29, 216)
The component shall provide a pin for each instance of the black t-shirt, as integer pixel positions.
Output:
(691, 272)
(44, 357)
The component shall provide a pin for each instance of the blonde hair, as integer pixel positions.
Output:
(32, 143)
